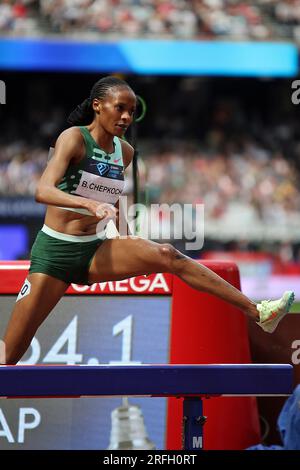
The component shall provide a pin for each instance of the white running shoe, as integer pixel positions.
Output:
(271, 312)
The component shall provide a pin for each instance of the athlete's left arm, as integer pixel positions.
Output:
(127, 154)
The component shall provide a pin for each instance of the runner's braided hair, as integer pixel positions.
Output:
(84, 114)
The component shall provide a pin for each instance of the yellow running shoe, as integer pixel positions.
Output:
(272, 311)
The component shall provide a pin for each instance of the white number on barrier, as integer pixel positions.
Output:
(68, 337)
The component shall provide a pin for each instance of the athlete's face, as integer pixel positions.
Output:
(116, 111)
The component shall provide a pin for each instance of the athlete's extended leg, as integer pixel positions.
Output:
(29, 312)
(119, 259)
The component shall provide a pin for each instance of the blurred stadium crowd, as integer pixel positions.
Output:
(185, 19)
(249, 192)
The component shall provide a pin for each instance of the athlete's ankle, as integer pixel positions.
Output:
(252, 312)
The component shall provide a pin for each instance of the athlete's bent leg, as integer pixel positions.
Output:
(118, 259)
(33, 305)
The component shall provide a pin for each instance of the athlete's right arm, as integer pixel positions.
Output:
(69, 145)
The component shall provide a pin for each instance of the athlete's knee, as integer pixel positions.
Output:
(170, 256)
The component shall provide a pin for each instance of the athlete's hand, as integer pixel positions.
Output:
(102, 210)
(106, 211)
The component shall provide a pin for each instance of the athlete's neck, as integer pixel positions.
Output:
(102, 138)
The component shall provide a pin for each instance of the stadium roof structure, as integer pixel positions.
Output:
(210, 58)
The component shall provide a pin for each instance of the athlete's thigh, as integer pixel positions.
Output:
(120, 258)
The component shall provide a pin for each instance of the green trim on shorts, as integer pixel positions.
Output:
(64, 260)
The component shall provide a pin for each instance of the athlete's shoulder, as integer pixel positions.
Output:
(73, 133)
(70, 143)
(127, 151)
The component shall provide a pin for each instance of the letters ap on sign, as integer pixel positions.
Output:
(103, 168)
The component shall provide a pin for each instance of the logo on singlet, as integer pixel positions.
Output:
(103, 168)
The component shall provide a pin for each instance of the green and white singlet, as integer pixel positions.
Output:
(98, 176)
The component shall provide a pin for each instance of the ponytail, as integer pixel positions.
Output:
(82, 114)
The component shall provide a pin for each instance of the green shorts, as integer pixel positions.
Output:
(68, 261)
